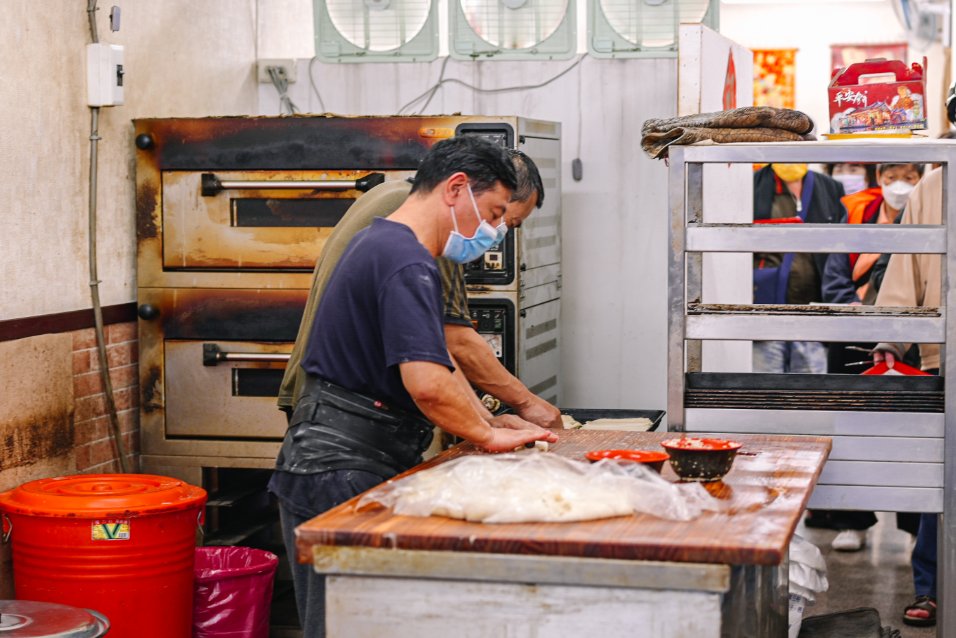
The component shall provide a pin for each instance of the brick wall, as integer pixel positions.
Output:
(94, 447)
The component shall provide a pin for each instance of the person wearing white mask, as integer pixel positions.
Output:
(378, 376)
(846, 276)
(854, 177)
(850, 279)
(916, 281)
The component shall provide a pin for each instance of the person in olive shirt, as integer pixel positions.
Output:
(469, 350)
(378, 375)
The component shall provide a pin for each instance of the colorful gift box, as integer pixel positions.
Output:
(878, 95)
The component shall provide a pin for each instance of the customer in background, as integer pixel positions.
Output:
(916, 280)
(847, 279)
(854, 177)
(789, 193)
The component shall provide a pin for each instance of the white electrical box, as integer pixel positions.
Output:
(285, 67)
(104, 74)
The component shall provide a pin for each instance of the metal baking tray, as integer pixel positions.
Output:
(583, 415)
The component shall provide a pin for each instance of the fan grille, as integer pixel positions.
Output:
(652, 24)
(514, 24)
(378, 25)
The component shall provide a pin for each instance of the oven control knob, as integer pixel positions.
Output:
(147, 311)
(144, 142)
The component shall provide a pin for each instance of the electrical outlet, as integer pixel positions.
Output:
(286, 66)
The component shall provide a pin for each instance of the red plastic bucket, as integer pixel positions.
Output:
(120, 544)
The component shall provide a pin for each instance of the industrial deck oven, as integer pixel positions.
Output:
(232, 213)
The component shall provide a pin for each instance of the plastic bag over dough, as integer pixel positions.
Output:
(534, 487)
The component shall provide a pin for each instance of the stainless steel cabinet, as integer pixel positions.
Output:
(883, 458)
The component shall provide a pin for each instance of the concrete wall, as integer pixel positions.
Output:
(614, 221)
(183, 58)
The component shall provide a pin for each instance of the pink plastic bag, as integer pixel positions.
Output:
(233, 592)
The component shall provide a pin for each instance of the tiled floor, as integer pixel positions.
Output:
(877, 576)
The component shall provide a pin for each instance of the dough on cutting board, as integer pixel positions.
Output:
(638, 424)
(535, 487)
(569, 422)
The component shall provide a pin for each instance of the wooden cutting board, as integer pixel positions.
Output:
(765, 493)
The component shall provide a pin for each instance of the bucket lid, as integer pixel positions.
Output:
(101, 495)
(32, 619)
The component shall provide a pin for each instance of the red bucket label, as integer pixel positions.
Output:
(111, 530)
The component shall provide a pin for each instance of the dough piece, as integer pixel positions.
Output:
(639, 424)
(541, 446)
(569, 422)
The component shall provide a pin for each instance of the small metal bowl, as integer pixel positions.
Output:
(698, 459)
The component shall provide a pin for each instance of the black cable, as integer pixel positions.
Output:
(430, 92)
(281, 82)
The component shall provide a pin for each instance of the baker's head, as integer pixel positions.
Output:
(486, 165)
(473, 180)
(529, 193)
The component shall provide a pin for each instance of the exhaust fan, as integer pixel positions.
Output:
(643, 28)
(376, 30)
(512, 29)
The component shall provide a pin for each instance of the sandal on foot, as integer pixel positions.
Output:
(922, 613)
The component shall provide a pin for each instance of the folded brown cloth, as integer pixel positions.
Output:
(747, 124)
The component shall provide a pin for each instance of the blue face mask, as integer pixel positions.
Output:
(461, 249)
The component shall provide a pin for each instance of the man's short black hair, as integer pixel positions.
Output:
(484, 162)
(529, 179)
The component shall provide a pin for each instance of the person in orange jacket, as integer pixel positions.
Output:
(850, 279)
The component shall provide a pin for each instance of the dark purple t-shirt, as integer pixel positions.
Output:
(382, 307)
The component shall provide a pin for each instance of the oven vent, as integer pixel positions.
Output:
(376, 30)
(512, 29)
(643, 28)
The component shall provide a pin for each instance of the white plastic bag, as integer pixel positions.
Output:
(808, 577)
(538, 487)
(808, 570)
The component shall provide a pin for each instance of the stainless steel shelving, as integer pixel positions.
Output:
(881, 460)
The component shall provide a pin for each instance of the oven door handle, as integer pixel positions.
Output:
(213, 354)
(212, 185)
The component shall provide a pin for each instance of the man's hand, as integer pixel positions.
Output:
(505, 439)
(514, 422)
(540, 412)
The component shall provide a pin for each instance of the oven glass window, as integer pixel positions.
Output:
(259, 213)
(256, 382)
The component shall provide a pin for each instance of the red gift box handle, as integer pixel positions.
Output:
(851, 75)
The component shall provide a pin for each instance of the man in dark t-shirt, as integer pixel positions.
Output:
(378, 371)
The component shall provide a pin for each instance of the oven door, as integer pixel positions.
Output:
(255, 220)
(224, 389)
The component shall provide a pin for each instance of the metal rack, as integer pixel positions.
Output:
(881, 460)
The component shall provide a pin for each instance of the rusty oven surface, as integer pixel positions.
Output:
(226, 242)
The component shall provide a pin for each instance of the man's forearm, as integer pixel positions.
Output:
(440, 398)
(463, 382)
(482, 368)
